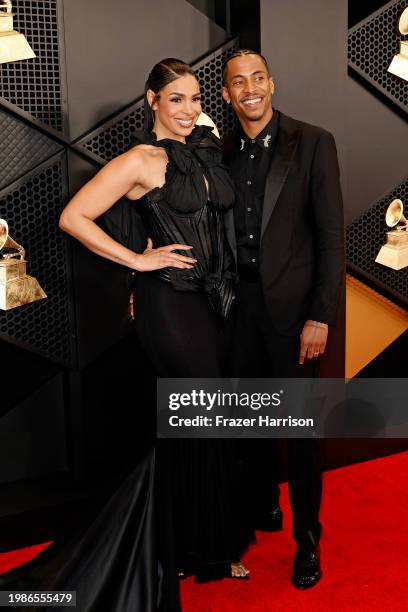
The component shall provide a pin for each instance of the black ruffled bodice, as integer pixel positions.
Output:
(184, 211)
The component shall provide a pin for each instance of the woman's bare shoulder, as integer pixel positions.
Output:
(145, 152)
(137, 159)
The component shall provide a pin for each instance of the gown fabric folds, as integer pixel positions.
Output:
(189, 209)
(113, 565)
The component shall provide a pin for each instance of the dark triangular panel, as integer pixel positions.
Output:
(207, 7)
(22, 148)
(390, 363)
(372, 44)
(115, 136)
(359, 10)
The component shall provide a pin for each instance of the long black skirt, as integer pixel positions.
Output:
(197, 479)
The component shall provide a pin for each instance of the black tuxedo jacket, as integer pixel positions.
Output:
(302, 237)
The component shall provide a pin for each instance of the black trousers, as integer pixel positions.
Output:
(258, 350)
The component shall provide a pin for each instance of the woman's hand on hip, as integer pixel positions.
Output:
(163, 257)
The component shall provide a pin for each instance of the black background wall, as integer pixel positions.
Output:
(67, 112)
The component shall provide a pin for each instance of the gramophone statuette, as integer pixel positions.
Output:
(394, 254)
(16, 287)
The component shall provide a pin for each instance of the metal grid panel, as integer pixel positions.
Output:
(209, 72)
(371, 46)
(32, 206)
(22, 148)
(365, 237)
(34, 85)
(115, 136)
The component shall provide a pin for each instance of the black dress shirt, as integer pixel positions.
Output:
(249, 172)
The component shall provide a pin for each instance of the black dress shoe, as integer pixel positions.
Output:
(306, 567)
(269, 521)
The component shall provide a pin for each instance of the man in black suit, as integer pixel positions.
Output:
(290, 254)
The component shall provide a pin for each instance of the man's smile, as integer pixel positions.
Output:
(252, 101)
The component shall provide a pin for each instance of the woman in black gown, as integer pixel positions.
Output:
(183, 293)
(180, 315)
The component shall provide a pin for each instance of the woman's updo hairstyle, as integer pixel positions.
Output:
(162, 74)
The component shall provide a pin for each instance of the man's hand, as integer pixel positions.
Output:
(312, 340)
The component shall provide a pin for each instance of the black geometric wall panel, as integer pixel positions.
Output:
(371, 46)
(364, 239)
(32, 206)
(36, 86)
(22, 148)
(115, 136)
(209, 72)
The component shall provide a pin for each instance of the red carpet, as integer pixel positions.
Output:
(364, 551)
(13, 558)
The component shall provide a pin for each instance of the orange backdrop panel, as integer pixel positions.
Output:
(372, 324)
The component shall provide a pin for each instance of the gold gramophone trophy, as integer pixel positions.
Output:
(13, 45)
(399, 64)
(16, 287)
(394, 254)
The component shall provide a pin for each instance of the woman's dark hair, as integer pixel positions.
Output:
(162, 74)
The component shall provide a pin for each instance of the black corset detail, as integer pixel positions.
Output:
(184, 212)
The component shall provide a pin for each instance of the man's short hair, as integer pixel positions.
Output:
(241, 53)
